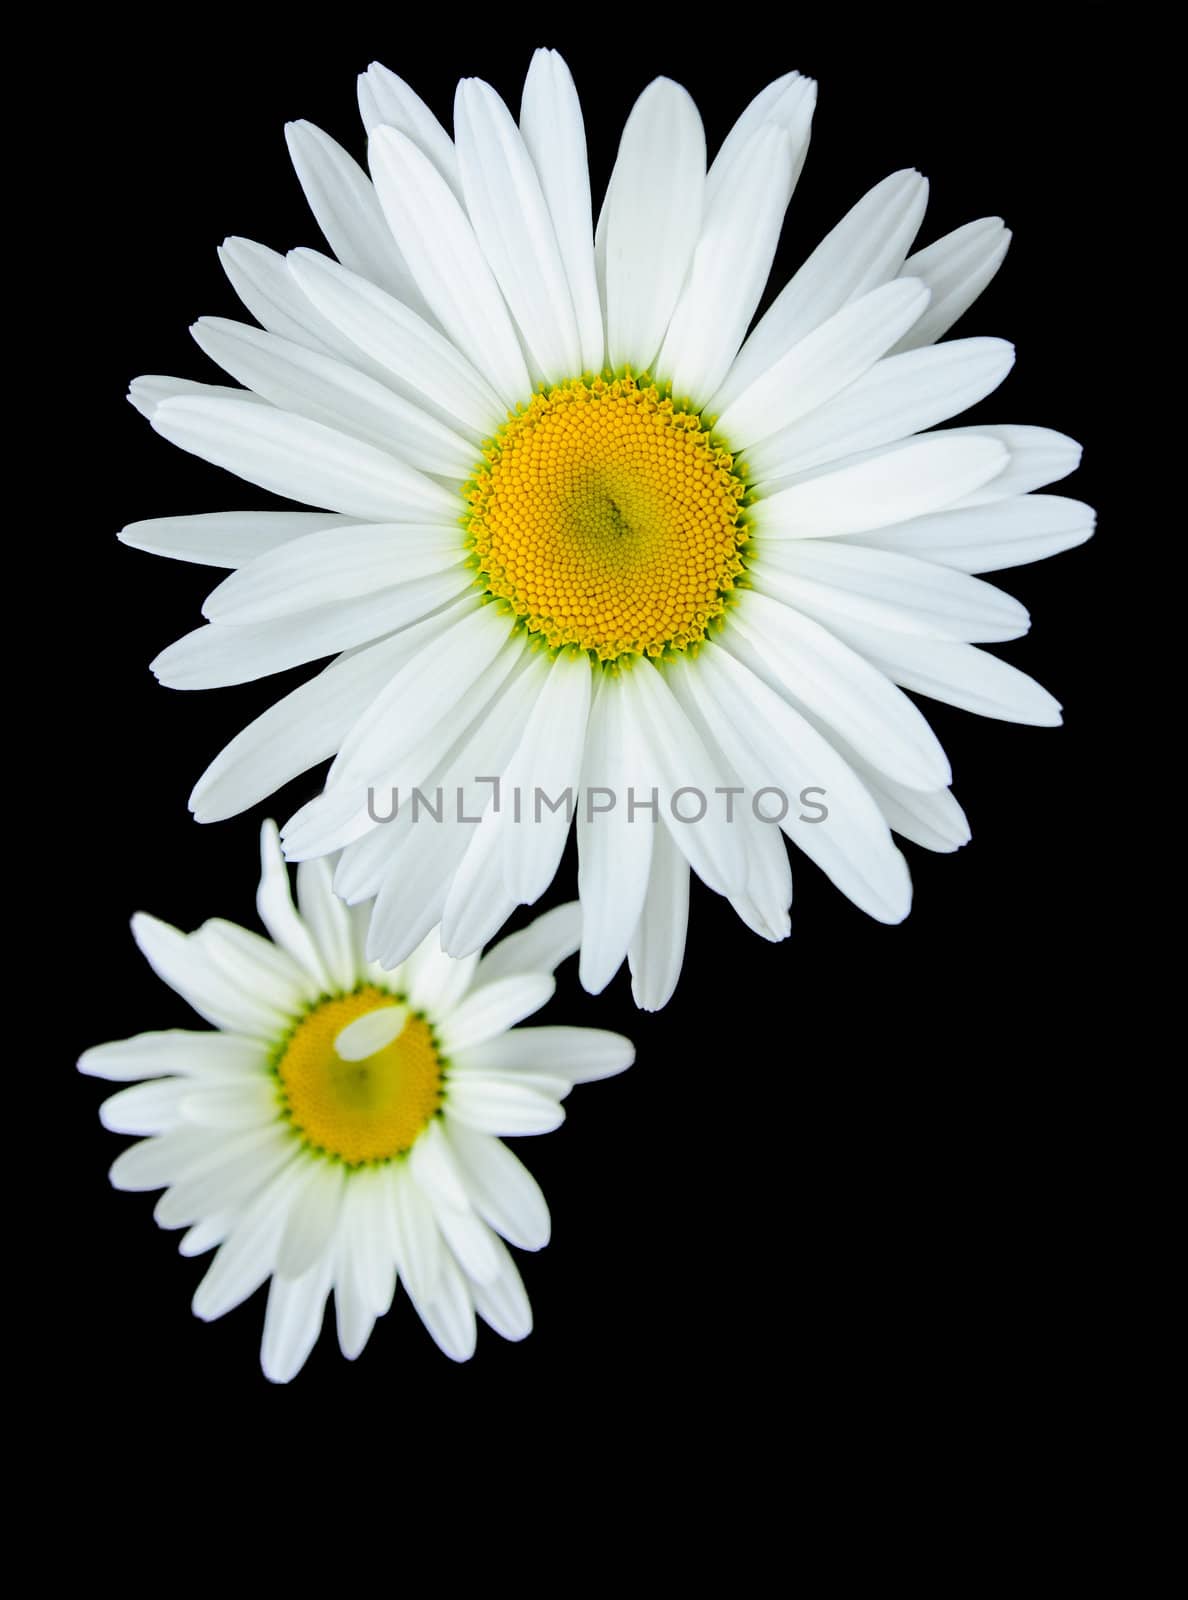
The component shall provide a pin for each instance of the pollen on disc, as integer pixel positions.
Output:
(359, 1111)
(609, 519)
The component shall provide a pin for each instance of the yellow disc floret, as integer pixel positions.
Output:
(609, 519)
(359, 1111)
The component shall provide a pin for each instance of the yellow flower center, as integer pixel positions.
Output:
(609, 519)
(359, 1111)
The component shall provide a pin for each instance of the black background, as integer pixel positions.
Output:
(849, 1173)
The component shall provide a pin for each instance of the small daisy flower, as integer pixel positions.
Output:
(578, 529)
(340, 1131)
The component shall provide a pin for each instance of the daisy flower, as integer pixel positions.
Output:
(341, 1129)
(579, 531)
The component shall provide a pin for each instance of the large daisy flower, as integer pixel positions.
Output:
(341, 1129)
(577, 530)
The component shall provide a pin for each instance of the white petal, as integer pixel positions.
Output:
(652, 220)
(188, 967)
(386, 100)
(545, 768)
(438, 242)
(436, 1173)
(503, 1304)
(234, 1168)
(899, 396)
(509, 1107)
(1038, 456)
(274, 903)
(146, 1107)
(934, 821)
(958, 674)
(418, 1243)
(471, 1243)
(313, 1217)
(826, 577)
(293, 1320)
(151, 391)
(579, 1055)
(414, 357)
(770, 745)
(303, 460)
(217, 654)
(866, 248)
(248, 1102)
(162, 1160)
(270, 975)
(823, 362)
(329, 922)
(511, 220)
(329, 391)
(554, 132)
(370, 1033)
(614, 849)
(814, 669)
(342, 199)
(921, 476)
(730, 266)
(449, 1316)
(246, 1257)
(494, 1008)
(657, 948)
(956, 268)
(174, 1051)
(787, 104)
(224, 538)
(434, 981)
(307, 725)
(986, 538)
(540, 947)
(501, 1188)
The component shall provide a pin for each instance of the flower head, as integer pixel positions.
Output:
(587, 549)
(340, 1130)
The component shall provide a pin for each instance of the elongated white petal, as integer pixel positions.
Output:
(188, 967)
(730, 266)
(823, 362)
(306, 726)
(579, 1055)
(494, 1008)
(657, 947)
(247, 1256)
(328, 920)
(826, 577)
(148, 392)
(418, 1243)
(1038, 457)
(511, 220)
(329, 391)
(313, 1216)
(225, 538)
(247, 1102)
(540, 947)
(770, 746)
(503, 1303)
(501, 1188)
(443, 255)
(652, 220)
(815, 670)
(921, 476)
(303, 460)
(554, 132)
(786, 104)
(173, 1051)
(934, 821)
(434, 981)
(866, 248)
(274, 903)
(436, 1172)
(956, 268)
(901, 395)
(385, 100)
(614, 848)
(342, 199)
(267, 972)
(686, 776)
(293, 1320)
(339, 564)
(449, 1316)
(541, 781)
(986, 538)
(152, 1107)
(215, 655)
(414, 358)
(958, 674)
(509, 1107)
(235, 1166)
